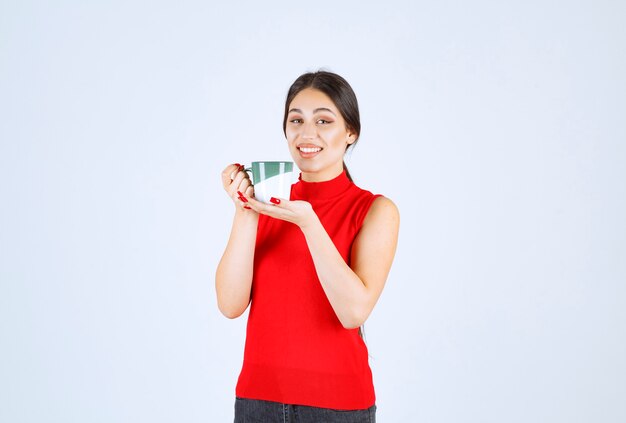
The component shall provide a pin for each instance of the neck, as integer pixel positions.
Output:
(321, 176)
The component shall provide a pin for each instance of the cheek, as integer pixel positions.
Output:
(290, 134)
(335, 136)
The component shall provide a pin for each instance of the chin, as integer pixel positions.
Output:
(307, 167)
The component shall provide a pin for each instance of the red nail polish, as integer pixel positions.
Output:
(244, 199)
(274, 200)
(247, 207)
(237, 164)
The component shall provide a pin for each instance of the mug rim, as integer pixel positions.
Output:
(272, 161)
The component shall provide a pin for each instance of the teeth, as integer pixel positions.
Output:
(310, 149)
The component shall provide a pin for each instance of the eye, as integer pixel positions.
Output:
(323, 121)
(296, 120)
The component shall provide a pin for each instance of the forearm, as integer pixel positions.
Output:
(233, 278)
(344, 289)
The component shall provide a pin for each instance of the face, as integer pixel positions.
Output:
(317, 135)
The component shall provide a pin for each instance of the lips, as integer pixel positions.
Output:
(308, 151)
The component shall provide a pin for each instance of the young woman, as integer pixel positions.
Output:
(312, 267)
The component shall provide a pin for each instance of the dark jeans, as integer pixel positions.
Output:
(257, 411)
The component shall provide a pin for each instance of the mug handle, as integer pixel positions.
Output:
(249, 170)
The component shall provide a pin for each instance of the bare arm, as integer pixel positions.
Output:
(351, 291)
(233, 277)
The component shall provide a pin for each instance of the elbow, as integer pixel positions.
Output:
(232, 303)
(231, 314)
(354, 320)
(231, 311)
(351, 325)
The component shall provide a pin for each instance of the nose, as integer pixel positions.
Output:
(309, 131)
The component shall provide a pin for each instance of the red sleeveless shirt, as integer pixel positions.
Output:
(297, 351)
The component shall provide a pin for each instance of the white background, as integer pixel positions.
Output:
(497, 127)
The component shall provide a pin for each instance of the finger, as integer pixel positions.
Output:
(244, 185)
(268, 209)
(236, 182)
(229, 170)
(257, 205)
(240, 200)
(244, 204)
(227, 174)
(279, 202)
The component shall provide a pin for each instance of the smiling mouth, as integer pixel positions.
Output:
(310, 149)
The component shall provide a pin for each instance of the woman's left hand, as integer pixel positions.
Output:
(297, 212)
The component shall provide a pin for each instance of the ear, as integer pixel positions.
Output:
(351, 137)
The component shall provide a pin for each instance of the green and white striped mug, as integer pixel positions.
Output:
(271, 179)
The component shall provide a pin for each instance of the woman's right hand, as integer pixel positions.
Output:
(236, 180)
(233, 277)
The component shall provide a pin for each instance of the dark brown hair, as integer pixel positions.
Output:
(339, 91)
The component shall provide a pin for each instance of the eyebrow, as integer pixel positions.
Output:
(319, 109)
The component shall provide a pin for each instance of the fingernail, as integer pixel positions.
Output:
(247, 207)
(274, 200)
(241, 167)
(237, 164)
(242, 197)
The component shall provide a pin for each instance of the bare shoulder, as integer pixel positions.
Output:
(376, 242)
(383, 211)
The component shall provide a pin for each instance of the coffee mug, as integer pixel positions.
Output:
(271, 179)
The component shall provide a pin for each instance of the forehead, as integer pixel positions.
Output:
(310, 99)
